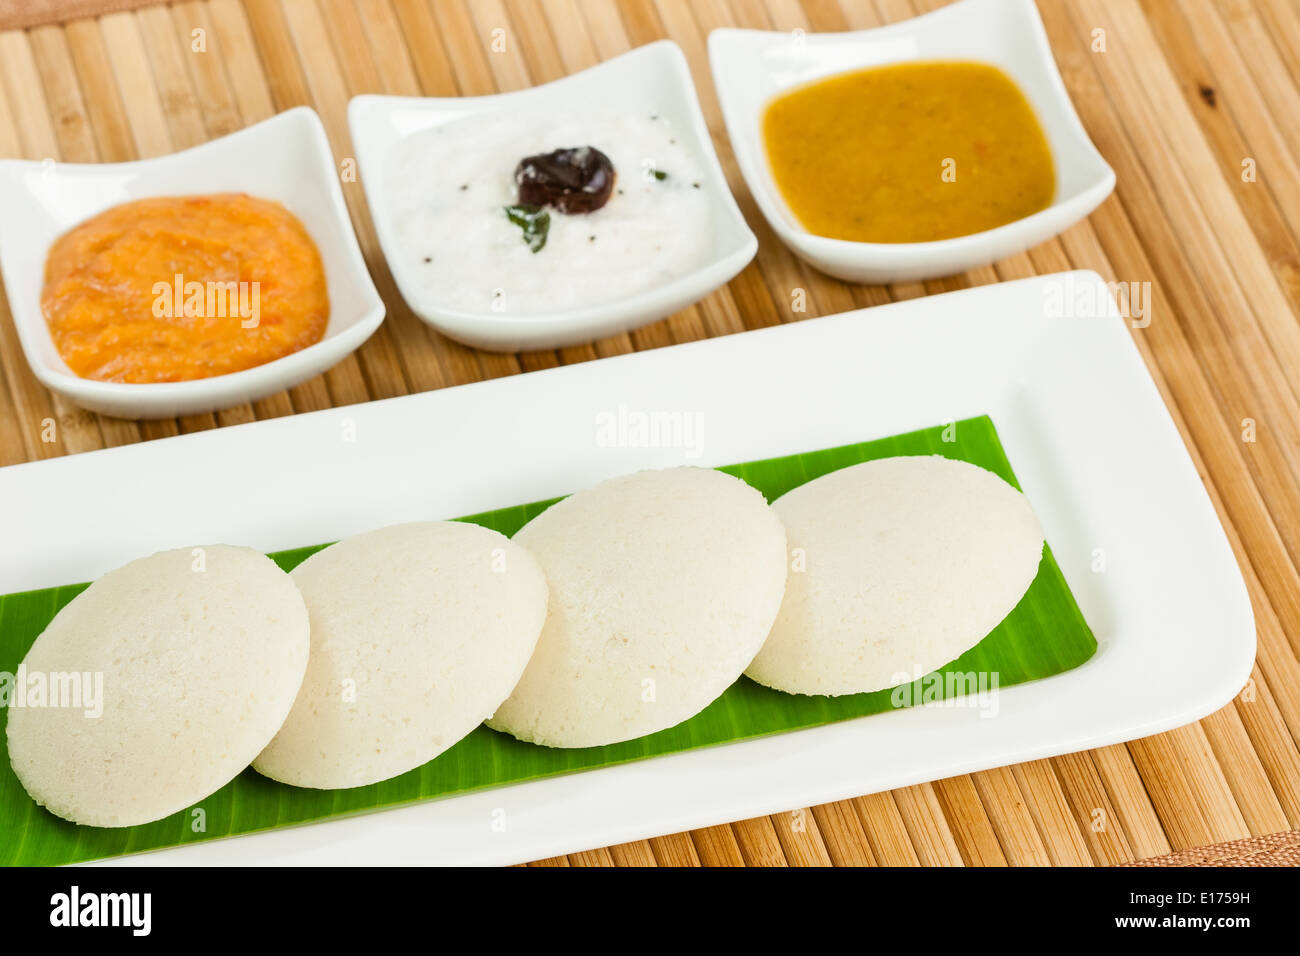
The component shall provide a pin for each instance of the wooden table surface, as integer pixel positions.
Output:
(1185, 98)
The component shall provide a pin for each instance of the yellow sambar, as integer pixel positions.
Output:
(910, 152)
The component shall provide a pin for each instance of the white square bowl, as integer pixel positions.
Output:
(285, 158)
(751, 66)
(654, 76)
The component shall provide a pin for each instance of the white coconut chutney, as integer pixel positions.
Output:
(447, 188)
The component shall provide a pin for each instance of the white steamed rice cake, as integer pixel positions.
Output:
(197, 654)
(900, 566)
(663, 587)
(418, 632)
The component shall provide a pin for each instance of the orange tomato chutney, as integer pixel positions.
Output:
(185, 287)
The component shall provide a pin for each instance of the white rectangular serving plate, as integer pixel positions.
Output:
(1048, 358)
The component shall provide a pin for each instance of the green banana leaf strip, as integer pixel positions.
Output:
(1046, 634)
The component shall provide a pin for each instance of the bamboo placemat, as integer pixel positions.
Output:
(1181, 97)
(30, 13)
(1276, 849)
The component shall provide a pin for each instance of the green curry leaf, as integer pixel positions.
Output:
(534, 221)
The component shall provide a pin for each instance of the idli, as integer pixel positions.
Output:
(900, 565)
(195, 656)
(663, 586)
(418, 632)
